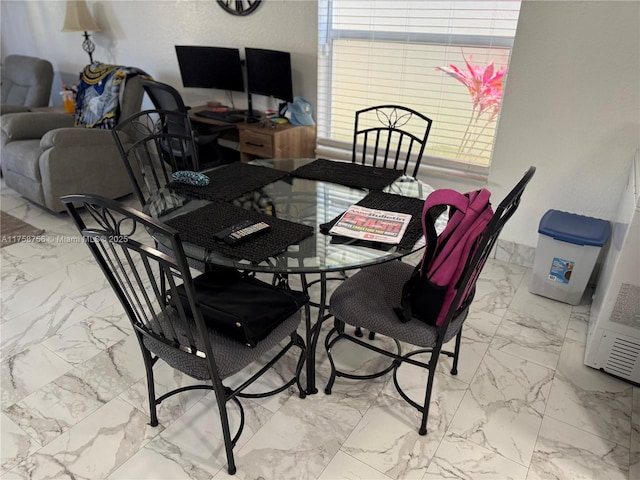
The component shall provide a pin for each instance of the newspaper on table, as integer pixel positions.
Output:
(372, 225)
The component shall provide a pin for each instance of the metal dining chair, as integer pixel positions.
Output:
(390, 136)
(153, 144)
(186, 333)
(370, 300)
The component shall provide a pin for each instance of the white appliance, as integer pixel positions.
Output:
(613, 339)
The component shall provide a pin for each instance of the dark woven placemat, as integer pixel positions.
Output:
(391, 203)
(230, 181)
(199, 226)
(348, 174)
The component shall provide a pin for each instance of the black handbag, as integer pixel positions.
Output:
(243, 308)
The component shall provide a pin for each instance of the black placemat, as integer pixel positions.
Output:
(230, 181)
(348, 174)
(391, 203)
(199, 226)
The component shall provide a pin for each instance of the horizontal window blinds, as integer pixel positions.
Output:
(374, 52)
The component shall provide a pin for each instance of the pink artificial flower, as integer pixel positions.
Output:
(484, 84)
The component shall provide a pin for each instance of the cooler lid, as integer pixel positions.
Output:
(573, 228)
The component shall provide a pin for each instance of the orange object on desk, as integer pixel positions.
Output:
(68, 101)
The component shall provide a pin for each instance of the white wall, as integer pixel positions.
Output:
(143, 33)
(571, 107)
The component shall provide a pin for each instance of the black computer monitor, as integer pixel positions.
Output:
(269, 74)
(210, 67)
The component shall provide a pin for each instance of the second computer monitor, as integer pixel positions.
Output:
(210, 67)
(269, 73)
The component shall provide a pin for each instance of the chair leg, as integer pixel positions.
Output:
(456, 352)
(358, 333)
(151, 389)
(427, 398)
(297, 340)
(226, 431)
(327, 345)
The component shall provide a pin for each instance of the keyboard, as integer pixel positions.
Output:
(221, 117)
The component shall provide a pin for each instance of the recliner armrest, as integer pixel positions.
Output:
(32, 125)
(77, 137)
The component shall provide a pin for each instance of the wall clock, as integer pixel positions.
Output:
(239, 7)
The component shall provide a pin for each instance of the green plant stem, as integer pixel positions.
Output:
(486, 124)
(465, 137)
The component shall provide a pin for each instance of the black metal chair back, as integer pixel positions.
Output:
(153, 144)
(166, 97)
(163, 96)
(145, 280)
(365, 301)
(390, 136)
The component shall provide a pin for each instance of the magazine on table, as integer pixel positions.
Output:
(373, 225)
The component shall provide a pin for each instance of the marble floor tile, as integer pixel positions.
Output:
(93, 448)
(459, 458)
(577, 328)
(387, 437)
(162, 460)
(536, 306)
(515, 253)
(16, 445)
(95, 296)
(504, 406)
(166, 378)
(564, 452)
(497, 286)
(27, 371)
(53, 409)
(191, 447)
(530, 338)
(11, 277)
(48, 289)
(52, 251)
(298, 441)
(83, 340)
(579, 391)
(344, 466)
(39, 324)
(480, 326)
(111, 372)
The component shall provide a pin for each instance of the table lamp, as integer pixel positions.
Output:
(78, 19)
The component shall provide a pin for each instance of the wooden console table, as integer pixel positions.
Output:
(266, 139)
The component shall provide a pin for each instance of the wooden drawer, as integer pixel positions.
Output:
(256, 143)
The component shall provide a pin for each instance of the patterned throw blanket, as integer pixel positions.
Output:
(99, 94)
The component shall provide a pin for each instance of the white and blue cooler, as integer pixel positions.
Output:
(568, 247)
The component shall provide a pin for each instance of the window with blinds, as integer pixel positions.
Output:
(376, 52)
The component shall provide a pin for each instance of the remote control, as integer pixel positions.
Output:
(242, 231)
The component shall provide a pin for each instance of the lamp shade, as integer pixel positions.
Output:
(78, 18)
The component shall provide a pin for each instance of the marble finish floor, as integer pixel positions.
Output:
(523, 405)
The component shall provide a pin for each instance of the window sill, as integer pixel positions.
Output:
(430, 166)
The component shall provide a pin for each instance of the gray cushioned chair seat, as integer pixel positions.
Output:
(367, 300)
(230, 355)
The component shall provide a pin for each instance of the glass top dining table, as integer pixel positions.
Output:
(304, 201)
(299, 200)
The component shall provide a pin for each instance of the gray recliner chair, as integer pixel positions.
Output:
(26, 83)
(44, 156)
